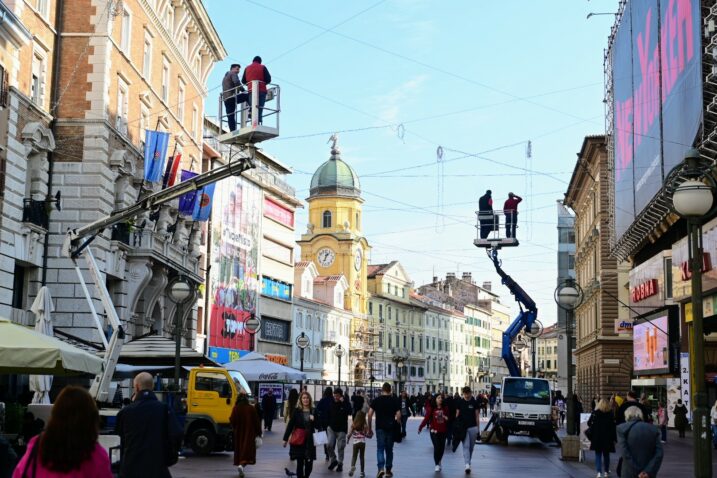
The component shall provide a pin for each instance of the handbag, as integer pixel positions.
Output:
(298, 437)
(396, 432)
(320, 438)
(258, 442)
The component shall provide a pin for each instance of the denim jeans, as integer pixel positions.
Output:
(663, 432)
(384, 449)
(714, 435)
(469, 442)
(336, 440)
(602, 458)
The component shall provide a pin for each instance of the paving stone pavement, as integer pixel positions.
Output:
(413, 458)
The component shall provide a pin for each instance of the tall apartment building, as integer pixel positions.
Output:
(547, 355)
(566, 270)
(603, 357)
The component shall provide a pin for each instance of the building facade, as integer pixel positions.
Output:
(603, 357)
(547, 355)
(566, 270)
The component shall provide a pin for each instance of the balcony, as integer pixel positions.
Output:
(146, 242)
(329, 339)
(35, 212)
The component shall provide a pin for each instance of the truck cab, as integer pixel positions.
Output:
(525, 409)
(211, 395)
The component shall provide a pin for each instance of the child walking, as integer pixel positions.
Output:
(359, 432)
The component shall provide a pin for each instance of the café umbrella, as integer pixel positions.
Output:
(24, 351)
(256, 368)
(42, 308)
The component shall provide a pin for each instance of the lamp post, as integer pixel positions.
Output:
(180, 291)
(568, 296)
(339, 352)
(693, 200)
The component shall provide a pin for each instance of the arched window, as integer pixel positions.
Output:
(300, 319)
(327, 219)
(308, 322)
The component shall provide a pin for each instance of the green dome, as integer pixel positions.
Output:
(335, 177)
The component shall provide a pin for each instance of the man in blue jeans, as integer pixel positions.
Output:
(388, 411)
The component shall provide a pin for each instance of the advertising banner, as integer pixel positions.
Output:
(685, 391)
(233, 279)
(673, 393)
(681, 275)
(657, 91)
(651, 346)
(275, 389)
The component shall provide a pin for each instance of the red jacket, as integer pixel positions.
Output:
(256, 71)
(436, 419)
(512, 204)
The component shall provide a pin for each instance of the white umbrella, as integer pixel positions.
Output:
(42, 308)
(256, 368)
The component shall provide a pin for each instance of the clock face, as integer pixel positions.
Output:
(325, 257)
(358, 258)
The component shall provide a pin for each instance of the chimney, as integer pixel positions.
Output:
(487, 285)
(435, 279)
(467, 276)
(450, 275)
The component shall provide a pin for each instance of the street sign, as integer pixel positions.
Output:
(302, 341)
(252, 325)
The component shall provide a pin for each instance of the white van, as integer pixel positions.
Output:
(525, 409)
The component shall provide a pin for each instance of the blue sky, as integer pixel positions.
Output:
(479, 79)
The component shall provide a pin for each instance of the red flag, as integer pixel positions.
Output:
(175, 168)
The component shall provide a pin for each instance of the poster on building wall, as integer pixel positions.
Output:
(233, 280)
(685, 391)
(673, 394)
(275, 389)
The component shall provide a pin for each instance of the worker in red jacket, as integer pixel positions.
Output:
(511, 214)
(257, 71)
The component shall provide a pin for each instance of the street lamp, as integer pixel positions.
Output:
(180, 290)
(339, 352)
(693, 200)
(444, 368)
(568, 295)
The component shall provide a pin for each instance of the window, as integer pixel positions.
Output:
(326, 219)
(198, 65)
(195, 123)
(213, 382)
(4, 86)
(380, 340)
(404, 342)
(571, 261)
(165, 80)
(390, 340)
(43, 6)
(380, 311)
(388, 369)
(169, 18)
(413, 344)
(184, 44)
(18, 290)
(125, 30)
(37, 85)
(180, 101)
(358, 225)
(143, 124)
(122, 106)
(370, 308)
(147, 59)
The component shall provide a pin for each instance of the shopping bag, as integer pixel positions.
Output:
(320, 438)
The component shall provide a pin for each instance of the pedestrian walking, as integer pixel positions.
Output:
(602, 436)
(339, 413)
(357, 402)
(268, 407)
(299, 434)
(437, 421)
(468, 417)
(630, 401)
(561, 410)
(510, 208)
(257, 71)
(646, 408)
(713, 416)
(405, 412)
(388, 411)
(639, 445)
(322, 414)
(246, 427)
(577, 411)
(291, 404)
(68, 446)
(359, 433)
(150, 436)
(485, 214)
(452, 405)
(680, 417)
(663, 419)
(8, 458)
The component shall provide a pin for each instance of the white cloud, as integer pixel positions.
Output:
(390, 103)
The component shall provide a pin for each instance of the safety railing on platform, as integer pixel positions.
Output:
(249, 116)
(491, 225)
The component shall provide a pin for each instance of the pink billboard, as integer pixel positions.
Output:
(651, 346)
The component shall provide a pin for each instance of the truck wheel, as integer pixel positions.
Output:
(202, 441)
(501, 434)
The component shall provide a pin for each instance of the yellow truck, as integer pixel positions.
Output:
(211, 394)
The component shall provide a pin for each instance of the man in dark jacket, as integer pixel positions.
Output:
(631, 401)
(339, 412)
(232, 94)
(485, 212)
(268, 407)
(639, 445)
(257, 71)
(149, 434)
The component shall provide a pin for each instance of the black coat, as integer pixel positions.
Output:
(144, 441)
(604, 436)
(307, 450)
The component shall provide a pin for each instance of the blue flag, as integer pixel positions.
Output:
(203, 203)
(155, 152)
(186, 202)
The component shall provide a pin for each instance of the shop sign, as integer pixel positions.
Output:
(279, 213)
(275, 330)
(221, 355)
(276, 358)
(644, 290)
(686, 273)
(623, 326)
(709, 304)
(681, 274)
(685, 391)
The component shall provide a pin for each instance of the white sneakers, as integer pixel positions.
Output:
(438, 467)
(240, 469)
(468, 468)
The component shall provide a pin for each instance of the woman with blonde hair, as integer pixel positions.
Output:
(602, 436)
(300, 435)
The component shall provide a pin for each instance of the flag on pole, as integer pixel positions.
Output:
(186, 202)
(155, 150)
(170, 172)
(203, 203)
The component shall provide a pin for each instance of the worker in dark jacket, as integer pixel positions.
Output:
(253, 72)
(339, 413)
(322, 414)
(232, 94)
(149, 434)
(485, 214)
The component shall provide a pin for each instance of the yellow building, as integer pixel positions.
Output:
(335, 244)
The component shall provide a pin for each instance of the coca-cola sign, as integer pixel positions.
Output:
(644, 290)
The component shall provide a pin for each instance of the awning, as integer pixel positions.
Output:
(160, 351)
(256, 368)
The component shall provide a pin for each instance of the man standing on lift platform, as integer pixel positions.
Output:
(485, 210)
(511, 214)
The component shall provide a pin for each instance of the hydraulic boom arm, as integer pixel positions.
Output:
(524, 320)
(77, 242)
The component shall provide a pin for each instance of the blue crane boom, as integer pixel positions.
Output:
(525, 319)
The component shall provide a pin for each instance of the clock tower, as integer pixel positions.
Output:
(333, 240)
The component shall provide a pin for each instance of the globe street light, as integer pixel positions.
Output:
(180, 290)
(568, 295)
(339, 352)
(693, 200)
